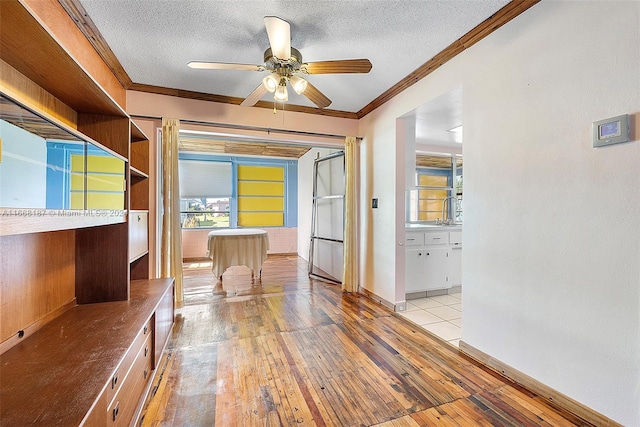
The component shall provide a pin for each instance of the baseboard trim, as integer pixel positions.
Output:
(399, 306)
(553, 396)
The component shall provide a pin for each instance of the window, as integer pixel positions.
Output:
(206, 212)
(205, 193)
(227, 192)
(437, 180)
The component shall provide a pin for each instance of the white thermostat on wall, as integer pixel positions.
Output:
(611, 131)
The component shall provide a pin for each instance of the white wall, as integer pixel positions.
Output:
(552, 226)
(23, 170)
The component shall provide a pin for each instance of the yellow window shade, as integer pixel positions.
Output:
(261, 204)
(76, 200)
(430, 205)
(260, 173)
(432, 194)
(432, 181)
(77, 163)
(77, 182)
(254, 219)
(105, 164)
(260, 189)
(428, 216)
(105, 183)
(105, 201)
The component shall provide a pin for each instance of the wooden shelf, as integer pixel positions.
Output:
(135, 173)
(137, 135)
(29, 48)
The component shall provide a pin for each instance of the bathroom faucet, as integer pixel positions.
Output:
(444, 203)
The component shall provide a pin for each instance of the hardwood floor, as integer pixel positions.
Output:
(288, 351)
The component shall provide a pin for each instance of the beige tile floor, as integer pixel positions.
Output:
(441, 315)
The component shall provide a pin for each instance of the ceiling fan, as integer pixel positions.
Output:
(284, 63)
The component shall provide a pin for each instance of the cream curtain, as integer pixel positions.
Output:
(171, 251)
(350, 275)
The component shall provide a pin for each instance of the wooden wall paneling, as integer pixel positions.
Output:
(102, 264)
(37, 279)
(140, 156)
(139, 193)
(139, 269)
(110, 131)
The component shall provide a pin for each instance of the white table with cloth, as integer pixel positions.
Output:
(241, 246)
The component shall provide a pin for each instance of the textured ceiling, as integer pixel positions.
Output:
(154, 40)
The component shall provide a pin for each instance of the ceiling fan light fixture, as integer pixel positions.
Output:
(281, 94)
(271, 83)
(298, 84)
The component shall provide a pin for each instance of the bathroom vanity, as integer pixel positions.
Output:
(433, 261)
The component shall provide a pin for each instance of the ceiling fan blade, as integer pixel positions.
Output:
(279, 33)
(338, 67)
(316, 96)
(223, 66)
(254, 96)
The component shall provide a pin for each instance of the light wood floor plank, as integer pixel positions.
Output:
(285, 350)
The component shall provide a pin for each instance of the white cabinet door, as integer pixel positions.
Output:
(455, 266)
(414, 270)
(436, 268)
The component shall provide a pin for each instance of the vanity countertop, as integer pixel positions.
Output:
(419, 226)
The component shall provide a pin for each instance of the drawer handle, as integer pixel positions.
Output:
(145, 329)
(139, 218)
(146, 372)
(115, 411)
(437, 238)
(146, 351)
(411, 239)
(114, 381)
(427, 253)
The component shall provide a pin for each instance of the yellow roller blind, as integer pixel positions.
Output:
(256, 188)
(261, 196)
(430, 201)
(105, 182)
(260, 173)
(262, 219)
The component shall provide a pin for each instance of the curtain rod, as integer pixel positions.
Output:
(250, 128)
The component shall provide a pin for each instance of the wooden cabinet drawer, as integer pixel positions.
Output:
(119, 375)
(123, 407)
(413, 239)
(437, 238)
(455, 238)
(138, 234)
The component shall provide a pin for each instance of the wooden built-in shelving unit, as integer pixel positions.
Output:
(54, 270)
